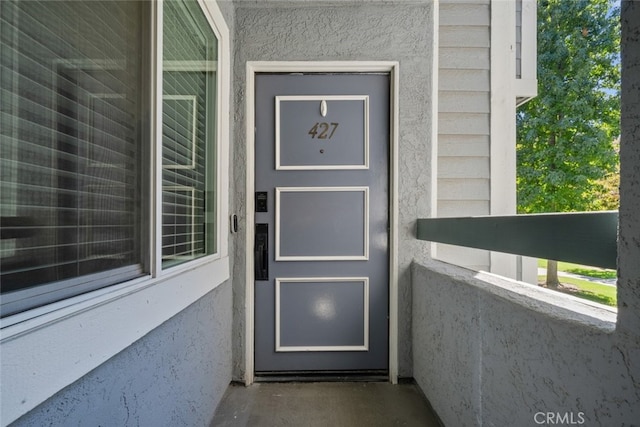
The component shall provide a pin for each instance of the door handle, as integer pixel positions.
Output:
(261, 252)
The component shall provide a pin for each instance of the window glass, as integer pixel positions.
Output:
(72, 179)
(188, 134)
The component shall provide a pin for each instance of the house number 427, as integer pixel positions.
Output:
(320, 130)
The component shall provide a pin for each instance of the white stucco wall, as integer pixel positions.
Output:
(345, 31)
(173, 376)
(490, 351)
(629, 241)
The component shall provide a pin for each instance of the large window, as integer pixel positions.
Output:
(188, 196)
(77, 205)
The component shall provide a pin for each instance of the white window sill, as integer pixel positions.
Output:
(48, 348)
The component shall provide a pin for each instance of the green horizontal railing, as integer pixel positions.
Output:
(588, 238)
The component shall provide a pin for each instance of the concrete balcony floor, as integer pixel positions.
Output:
(324, 404)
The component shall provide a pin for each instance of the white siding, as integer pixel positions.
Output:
(465, 190)
(470, 36)
(518, 39)
(475, 259)
(448, 208)
(470, 58)
(463, 102)
(465, 13)
(464, 108)
(461, 167)
(464, 80)
(464, 123)
(470, 145)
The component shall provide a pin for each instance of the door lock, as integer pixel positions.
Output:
(261, 252)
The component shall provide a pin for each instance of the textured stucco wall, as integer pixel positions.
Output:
(174, 376)
(629, 242)
(483, 359)
(340, 31)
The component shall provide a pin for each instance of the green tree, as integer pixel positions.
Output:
(565, 135)
(609, 200)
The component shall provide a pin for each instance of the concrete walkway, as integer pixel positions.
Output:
(607, 282)
(346, 404)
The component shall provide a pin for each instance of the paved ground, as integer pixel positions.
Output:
(339, 404)
(608, 282)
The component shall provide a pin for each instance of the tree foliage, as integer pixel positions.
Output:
(565, 135)
(609, 199)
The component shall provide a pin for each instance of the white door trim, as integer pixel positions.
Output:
(254, 67)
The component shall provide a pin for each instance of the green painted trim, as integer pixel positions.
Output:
(588, 238)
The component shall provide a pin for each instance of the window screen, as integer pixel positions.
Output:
(188, 134)
(72, 129)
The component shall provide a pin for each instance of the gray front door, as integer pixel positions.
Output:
(321, 249)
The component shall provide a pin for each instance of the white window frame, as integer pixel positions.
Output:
(36, 362)
(526, 87)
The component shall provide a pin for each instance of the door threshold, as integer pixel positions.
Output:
(356, 376)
